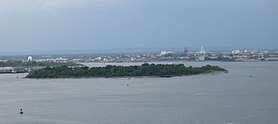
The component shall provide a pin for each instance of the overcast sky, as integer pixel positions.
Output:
(55, 25)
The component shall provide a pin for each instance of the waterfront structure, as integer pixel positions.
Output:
(7, 70)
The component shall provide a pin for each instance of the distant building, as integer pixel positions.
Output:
(30, 58)
(98, 58)
(163, 53)
(237, 51)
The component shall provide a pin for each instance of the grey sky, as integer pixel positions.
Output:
(53, 25)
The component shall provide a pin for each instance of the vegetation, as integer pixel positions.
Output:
(121, 71)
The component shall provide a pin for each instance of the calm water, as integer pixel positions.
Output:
(226, 98)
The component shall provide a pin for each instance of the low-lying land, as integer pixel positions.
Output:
(27, 66)
(23, 64)
(146, 69)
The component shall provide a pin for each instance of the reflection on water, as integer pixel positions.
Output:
(226, 98)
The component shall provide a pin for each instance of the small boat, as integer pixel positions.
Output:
(21, 111)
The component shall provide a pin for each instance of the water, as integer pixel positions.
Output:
(225, 98)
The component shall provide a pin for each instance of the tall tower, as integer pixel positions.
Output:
(185, 51)
(202, 51)
(202, 54)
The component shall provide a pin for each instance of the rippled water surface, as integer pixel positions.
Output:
(225, 98)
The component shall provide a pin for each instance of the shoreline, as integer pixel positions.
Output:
(146, 69)
(131, 77)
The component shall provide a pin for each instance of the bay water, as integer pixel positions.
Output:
(248, 94)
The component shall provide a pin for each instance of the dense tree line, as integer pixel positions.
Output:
(121, 71)
(32, 64)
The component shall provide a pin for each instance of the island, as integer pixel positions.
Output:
(150, 70)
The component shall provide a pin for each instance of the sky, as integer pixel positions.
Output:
(65, 25)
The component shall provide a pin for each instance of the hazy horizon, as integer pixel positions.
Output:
(53, 26)
(124, 51)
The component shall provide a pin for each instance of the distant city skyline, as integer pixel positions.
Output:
(53, 26)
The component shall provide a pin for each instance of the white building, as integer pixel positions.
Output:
(162, 53)
(30, 58)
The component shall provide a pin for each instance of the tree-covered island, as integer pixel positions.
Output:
(155, 70)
